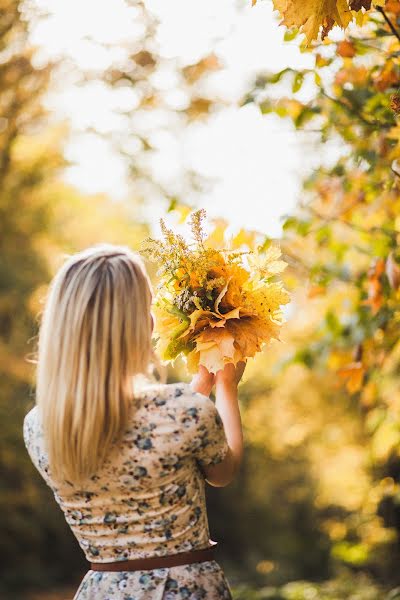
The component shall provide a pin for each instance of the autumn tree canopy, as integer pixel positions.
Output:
(343, 242)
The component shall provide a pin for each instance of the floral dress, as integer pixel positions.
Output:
(147, 499)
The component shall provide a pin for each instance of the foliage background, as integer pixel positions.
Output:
(315, 510)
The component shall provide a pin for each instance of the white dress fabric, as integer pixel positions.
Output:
(147, 499)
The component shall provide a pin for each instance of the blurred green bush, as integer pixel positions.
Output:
(347, 586)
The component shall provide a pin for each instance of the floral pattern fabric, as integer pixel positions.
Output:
(195, 581)
(147, 499)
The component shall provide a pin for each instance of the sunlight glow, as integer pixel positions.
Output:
(254, 161)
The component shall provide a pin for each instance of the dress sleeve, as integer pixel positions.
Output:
(33, 438)
(27, 431)
(207, 439)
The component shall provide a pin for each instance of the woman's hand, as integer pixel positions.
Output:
(203, 381)
(230, 374)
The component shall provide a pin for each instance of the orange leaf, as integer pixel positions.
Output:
(316, 290)
(354, 375)
(346, 49)
(374, 286)
(387, 77)
(393, 6)
(193, 73)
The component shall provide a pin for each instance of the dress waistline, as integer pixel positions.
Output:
(158, 562)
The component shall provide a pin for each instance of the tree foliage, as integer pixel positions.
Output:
(343, 245)
(166, 95)
(27, 161)
(320, 482)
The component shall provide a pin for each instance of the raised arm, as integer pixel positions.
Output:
(226, 382)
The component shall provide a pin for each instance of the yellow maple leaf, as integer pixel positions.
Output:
(238, 339)
(250, 335)
(265, 301)
(199, 319)
(268, 263)
(311, 15)
(216, 347)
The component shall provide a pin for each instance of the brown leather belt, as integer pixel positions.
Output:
(158, 562)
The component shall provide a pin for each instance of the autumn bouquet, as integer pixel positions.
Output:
(214, 305)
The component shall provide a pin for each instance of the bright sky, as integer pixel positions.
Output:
(255, 162)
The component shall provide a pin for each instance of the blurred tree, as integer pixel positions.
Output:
(343, 245)
(156, 98)
(26, 160)
(39, 219)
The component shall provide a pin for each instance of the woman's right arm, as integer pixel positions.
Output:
(226, 382)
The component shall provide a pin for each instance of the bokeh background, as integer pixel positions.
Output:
(114, 114)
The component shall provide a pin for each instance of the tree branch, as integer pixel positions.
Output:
(351, 111)
(389, 22)
(338, 218)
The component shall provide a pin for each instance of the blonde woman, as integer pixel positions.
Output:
(128, 463)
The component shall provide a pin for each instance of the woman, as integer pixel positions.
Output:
(128, 463)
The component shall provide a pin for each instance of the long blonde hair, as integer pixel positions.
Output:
(95, 336)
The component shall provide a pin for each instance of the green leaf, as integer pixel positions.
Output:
(265, 245)
(290, 34)
(266, 107)
(290, 223)
(172, 204)
(297, 81)
(332, 322)
(350, 552)
(278, 76)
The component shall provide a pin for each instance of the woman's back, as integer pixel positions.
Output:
(148, 498)
(140, 500)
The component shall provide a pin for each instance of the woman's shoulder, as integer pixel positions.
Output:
(179, 394)
(166, 391)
